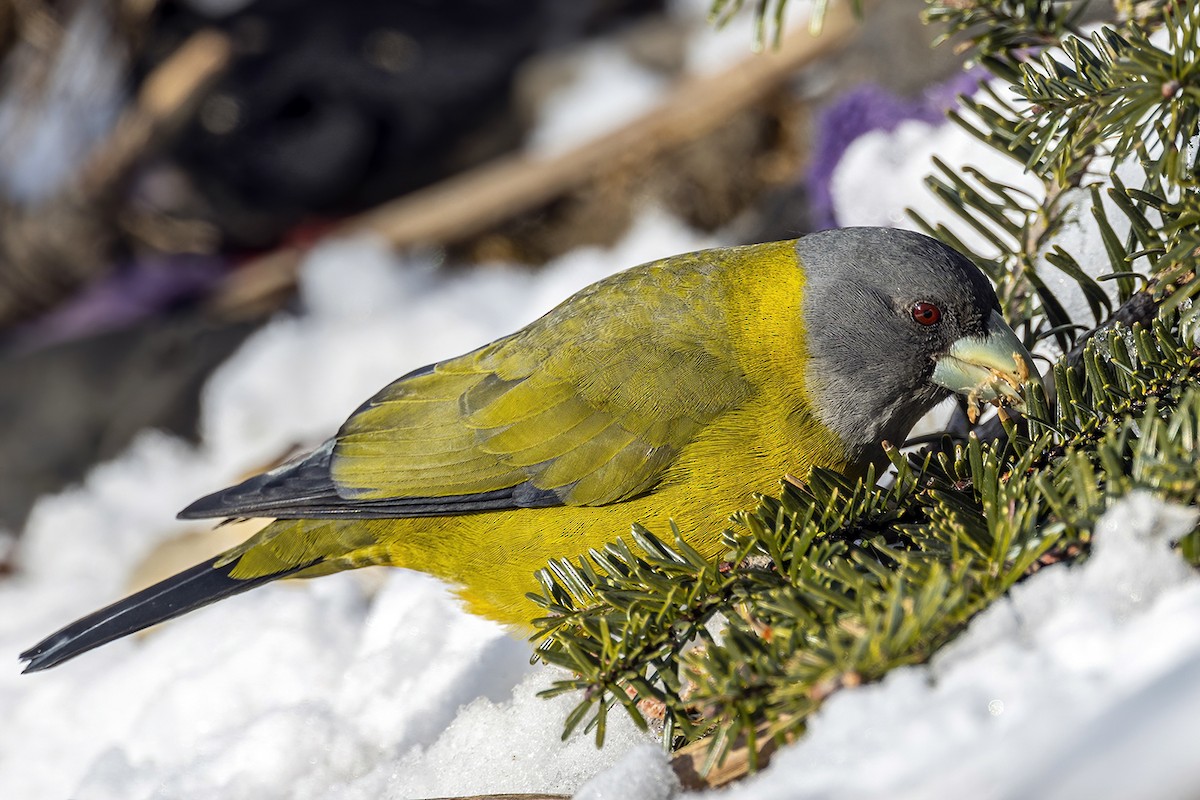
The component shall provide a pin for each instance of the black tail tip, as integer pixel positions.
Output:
(206, 507)
(190, 589)
(45, 654)
(202, 584)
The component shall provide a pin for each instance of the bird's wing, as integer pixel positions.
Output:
(589, 405)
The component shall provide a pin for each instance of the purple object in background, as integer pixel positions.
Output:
(865, 109)
(132, 293)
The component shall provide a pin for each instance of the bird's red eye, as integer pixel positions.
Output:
(926, 313)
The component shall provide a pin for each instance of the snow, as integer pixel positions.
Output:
(904, 156)
(1080, 236)
(644, 773)
(509, 747)
(608, 90)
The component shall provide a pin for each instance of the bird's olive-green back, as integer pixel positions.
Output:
(593, 401)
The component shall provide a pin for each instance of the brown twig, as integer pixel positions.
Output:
(167, 98)
(688, 762)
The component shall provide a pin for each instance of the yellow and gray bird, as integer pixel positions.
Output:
(676, 390)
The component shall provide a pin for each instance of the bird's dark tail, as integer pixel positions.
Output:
(202, 584)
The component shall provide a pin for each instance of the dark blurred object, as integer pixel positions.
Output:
(72, 405)
(324, 109)
(709, 147)
(330, 108)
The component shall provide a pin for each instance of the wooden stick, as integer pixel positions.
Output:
(166, 99)
(688, 762)
(469, 203)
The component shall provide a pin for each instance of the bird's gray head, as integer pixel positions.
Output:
(895, 322)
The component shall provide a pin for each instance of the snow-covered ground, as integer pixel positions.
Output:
(1084, 683)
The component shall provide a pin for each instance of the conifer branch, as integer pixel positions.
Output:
(838, 581)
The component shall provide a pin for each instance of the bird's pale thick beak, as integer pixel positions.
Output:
(987, 368)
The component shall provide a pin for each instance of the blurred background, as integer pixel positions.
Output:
(165, 165)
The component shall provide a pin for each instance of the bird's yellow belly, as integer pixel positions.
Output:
(492, 557)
